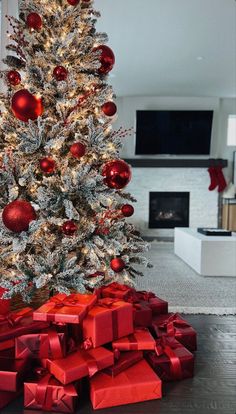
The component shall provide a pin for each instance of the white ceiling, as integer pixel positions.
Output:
(171, 47)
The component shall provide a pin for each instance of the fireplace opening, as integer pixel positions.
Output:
(168, 210)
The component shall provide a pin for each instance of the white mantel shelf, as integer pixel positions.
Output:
(175, 163)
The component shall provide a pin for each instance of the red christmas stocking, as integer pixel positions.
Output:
(214, 178)
(221, 179)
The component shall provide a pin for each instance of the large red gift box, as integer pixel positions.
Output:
(65, 309)
(171, 361)
(140, 340)
(42, 345)
(12, 373)
(175, 326)
(124, 361)
(142, 314)
(109, 319)
(138, 383)
(81, 364)
(48, 394)
(116, 290)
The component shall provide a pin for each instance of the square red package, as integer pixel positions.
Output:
(65, 309)
(116, 290)
(50, 344)
(137, 383)
(124, 361)
(109, 319)
(140, 340)
(12, 373)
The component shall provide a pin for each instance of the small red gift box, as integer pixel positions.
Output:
(7, 397)
(108, 320)
(48, 394)
(116, 290)
(81, 364)
(42, 345)
(138, 383)
(157, 305)
(12, 374)
(142, 314)
(124, 361)
(171, 361)
(175, 326)
(140, 340)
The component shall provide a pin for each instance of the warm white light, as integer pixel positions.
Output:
(231, 136)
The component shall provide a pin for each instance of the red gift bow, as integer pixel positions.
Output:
(91, 363)
(145, 296)
(70, 300)
(167, 346)
(52, 342)
(13, 318)
(174, 321)
(132, 339)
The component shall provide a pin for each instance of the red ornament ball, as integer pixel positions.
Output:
(14, 77)
(17, 215)
(127, 210)
(60, 73)
(117, 174)
(69, 228)
(78, 150)
(107, 59)
(117, 265)
(109, 108)
(34, 21)
(26, 106)
(73, 2)
(47, 165)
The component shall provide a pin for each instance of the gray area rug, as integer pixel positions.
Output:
(186, 291)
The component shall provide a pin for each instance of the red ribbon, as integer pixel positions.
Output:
(91, 363)
(44, 393)
(133, 341)
(13, 318)
(108, 303)
(166, 346)
(173, 322)
(70, 300)
(51, 342)
(145, 296)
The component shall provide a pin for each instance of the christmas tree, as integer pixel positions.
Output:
(63, 208)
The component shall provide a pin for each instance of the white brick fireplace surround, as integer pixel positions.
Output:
(203, 203)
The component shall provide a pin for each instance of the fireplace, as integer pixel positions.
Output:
(168, 210)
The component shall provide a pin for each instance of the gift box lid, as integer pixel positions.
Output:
(141, 339)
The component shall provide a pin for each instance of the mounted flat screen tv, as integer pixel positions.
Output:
(173, 132)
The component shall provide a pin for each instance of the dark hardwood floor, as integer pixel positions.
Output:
(212, 390)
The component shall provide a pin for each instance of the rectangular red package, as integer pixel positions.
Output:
(157, 305)
(125, 360)
(80, 364)
(12, 373)
(142, 314)
(116, 290)
(109, 319)
(65, 309)
(49, 344)
(172, 324)
(140, 340)
(171, 361)
(138, 383)
(10, 343)
(7, 397)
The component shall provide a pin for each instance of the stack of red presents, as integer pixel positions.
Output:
(123, 342)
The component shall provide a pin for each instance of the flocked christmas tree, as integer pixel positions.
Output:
(63, 209)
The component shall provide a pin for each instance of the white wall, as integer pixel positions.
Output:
(10, 8)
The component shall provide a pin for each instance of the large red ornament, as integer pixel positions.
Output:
(47, 165)
(13, 77)
(117, 174)
(109, 108)
(127, 210)
(69, 228)
(107, 59)
(17, 215)
(34, 21)
(117, 265)
(60, 73)
(78, 150)
(73, 2)
(26, 106)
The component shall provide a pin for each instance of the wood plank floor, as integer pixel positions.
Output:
(211, 391)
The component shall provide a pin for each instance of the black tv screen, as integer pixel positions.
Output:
(173, 132)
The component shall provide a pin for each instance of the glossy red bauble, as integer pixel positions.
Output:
(47, 165)
(34, 21)
(73, 2)
(14, 77)
(127, 210)
(78, 150)
(117, 265)
(26, 106)
(69, 228)
(17, 216)
(60, 73)
(117, 174)
(107, 59)
(109, 108)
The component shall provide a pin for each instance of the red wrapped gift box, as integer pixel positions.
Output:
(42, 345)
(140, 340)
(124, 361)
(171, 361)
(48, 394)
(116, 290)
(142, 314)
(175, 326)
(7, 344)
(65, 309)
(81, 364)
(108, 320)
(157, 305)
(138, 383)
(7, 397)
(12, 374)
(4, 303)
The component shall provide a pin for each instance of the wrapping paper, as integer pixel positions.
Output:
(81, 364)
(171, 361)
(12, 374)
(142, 314)
(124, 361)
(7, 397)
(65, 309)
(157, 305)
(140, 340)
(42, 345)
(10, 343)
(116, 290)
(175, 326)
(108, 320)
(4, 304)
(138, 383)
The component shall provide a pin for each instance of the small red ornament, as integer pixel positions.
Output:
(47, 165)
(69, 228)
(117, 265)
(127, 210)
(34, 21)
(109, 108)
(26, 106)
(78, 150)
(117, 174)
(13, 77)
(73, 2)
(107, 59)
(60, 73)
(17, 215)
